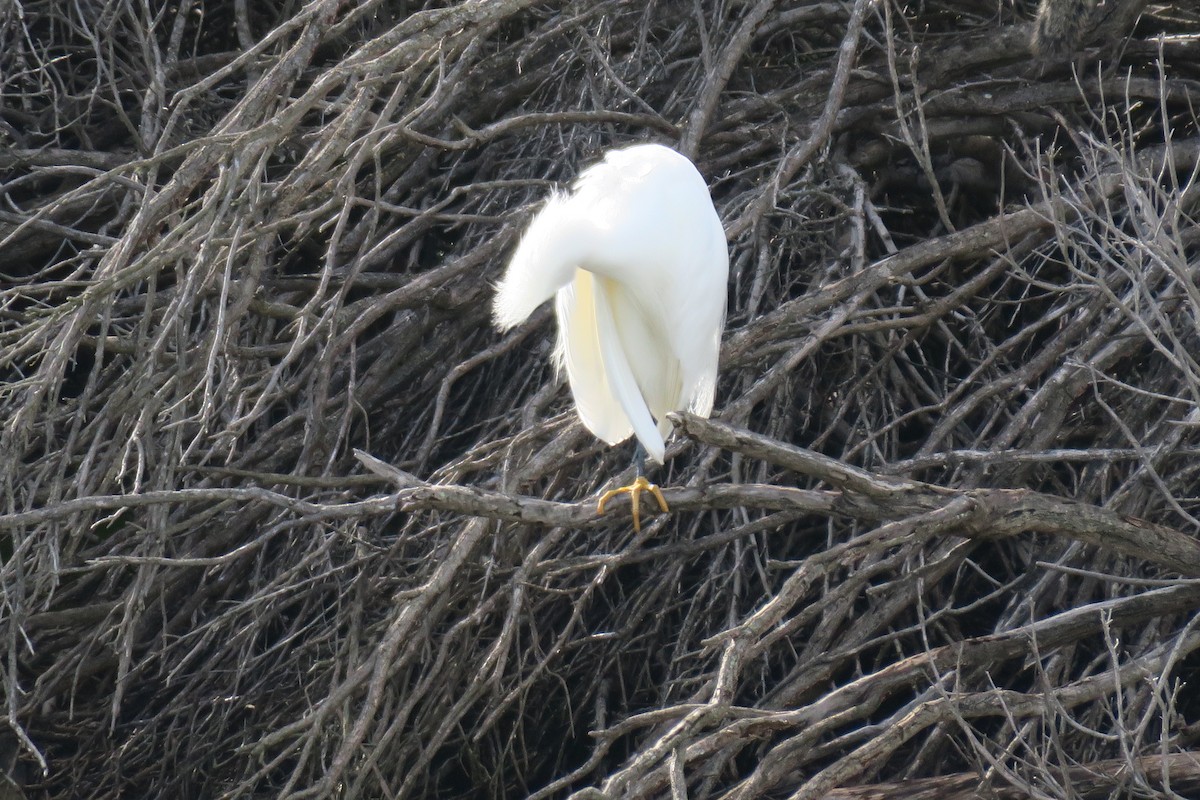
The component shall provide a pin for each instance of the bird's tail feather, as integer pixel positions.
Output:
(623, 384)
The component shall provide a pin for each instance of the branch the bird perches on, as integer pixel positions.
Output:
(902, 508)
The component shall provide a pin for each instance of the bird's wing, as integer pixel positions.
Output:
(704, 307)
(695, 303)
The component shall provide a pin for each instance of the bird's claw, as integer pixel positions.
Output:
(639, 485)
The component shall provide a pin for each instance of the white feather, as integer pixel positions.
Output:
(578, 353)
(625, 387)
(637, 257)
(543, 263)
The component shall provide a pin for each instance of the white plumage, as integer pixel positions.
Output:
(636, 255)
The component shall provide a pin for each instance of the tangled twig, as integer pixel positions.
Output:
(283, 516)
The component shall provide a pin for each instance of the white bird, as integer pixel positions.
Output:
(636, 259)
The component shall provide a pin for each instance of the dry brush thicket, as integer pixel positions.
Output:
(283, 516)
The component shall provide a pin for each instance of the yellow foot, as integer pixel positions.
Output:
(639, 485)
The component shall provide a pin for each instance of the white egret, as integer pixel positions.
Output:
(636, 258)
